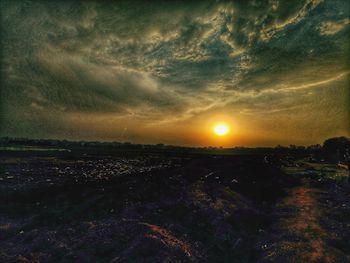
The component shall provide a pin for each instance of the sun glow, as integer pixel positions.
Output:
(221, 129)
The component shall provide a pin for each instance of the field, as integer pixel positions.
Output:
(59, 206)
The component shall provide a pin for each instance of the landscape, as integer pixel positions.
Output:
(92, 202)
(174, 131)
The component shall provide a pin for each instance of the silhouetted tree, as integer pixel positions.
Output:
(336, 149)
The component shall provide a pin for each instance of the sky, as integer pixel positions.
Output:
(276, 72)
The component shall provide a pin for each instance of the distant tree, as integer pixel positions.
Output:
(336, 149)
(301, 148)
(314, 147)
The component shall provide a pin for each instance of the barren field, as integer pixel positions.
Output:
(137, 207)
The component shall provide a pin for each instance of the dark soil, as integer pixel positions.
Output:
(167, 208)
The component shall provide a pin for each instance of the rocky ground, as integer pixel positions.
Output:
(173, 208)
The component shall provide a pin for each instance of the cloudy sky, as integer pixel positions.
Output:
(165, 71)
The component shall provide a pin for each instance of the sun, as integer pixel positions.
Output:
(221, 129)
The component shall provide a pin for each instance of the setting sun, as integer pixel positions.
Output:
(221, 129)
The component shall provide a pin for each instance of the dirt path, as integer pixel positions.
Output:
(298, 236)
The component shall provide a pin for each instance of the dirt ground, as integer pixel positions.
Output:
(312, 220)
(182, 208)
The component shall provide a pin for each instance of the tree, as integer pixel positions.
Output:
(336, 149)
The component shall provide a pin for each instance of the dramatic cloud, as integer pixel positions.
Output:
(155, 71)
(331, 27)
